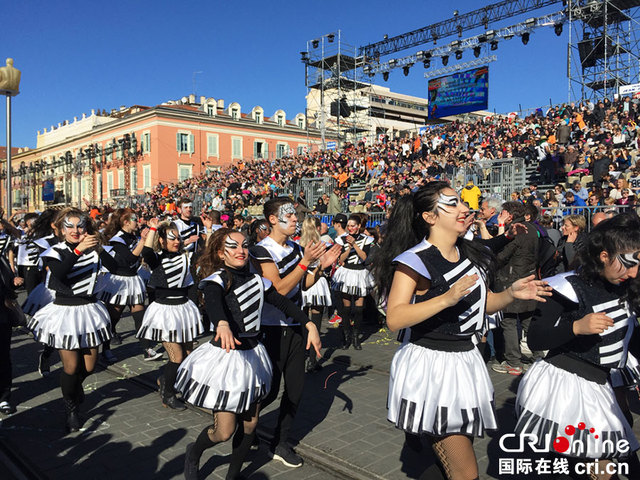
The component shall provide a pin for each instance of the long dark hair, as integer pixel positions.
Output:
(613, 235)
(210, 260)
(42, 226)
(118, 218)
(406, 228)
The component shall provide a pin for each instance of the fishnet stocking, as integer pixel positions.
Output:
(177, 351)
(456, 456)
(224, 424)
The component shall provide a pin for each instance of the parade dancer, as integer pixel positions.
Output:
(123, 286)
(171, 318)
(231, 374)
(588, 328)
(353, 280)
(75, 323)
(27, 257)
(318, 296)
(285, 264)
(439, 385)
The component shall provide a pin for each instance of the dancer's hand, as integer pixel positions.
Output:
(87, 243)
(330, 256)
(460, 289)
(313, 338)
(227, 340)
(592, 323)
(529, 288)
(313, 252)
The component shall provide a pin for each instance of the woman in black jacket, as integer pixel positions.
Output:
(573, 238)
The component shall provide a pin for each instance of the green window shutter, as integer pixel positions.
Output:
(178, 142)
(191, 143)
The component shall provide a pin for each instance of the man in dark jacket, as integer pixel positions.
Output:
(516, 260)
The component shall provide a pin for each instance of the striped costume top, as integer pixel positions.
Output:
(28, 252)
(460, 321)
(6, 242)
(354, 261)
(170, 275)
(286, 258)
(186, 230)
(121, 246)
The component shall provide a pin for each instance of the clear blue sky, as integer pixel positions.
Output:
(79, 55)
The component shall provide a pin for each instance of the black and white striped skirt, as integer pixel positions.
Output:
(71, 327)
(231, 382)
(171, 323)
(318, 295)
(38, 298)
(551, 399)
(121, 289)
(353, 282)
(440, 393)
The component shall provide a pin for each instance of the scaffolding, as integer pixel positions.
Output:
(603, 50)
(335, 105)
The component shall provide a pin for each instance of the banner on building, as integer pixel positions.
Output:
(458, 93)
(48, 191)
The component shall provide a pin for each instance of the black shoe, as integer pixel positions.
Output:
(116, 339)
(190, 465)
(43, 364)
(356, 340)
(73, 417)
(80, 395)
(346, 339)
(286, 455)
(6, 408)
(160, 382)
(255, 444)
(173, 402)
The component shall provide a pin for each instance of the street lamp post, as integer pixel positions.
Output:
(9, 86)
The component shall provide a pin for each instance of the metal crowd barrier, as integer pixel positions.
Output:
(588, 212)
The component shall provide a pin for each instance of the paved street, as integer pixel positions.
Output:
(342, 426)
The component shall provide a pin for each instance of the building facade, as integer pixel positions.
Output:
(101, 157)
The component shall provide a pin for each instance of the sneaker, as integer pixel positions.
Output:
(151, 354)
(7, 408)
(43, 364)
(287, 456)
(335, 320)
(109, 357)
(116, 339)
(504, 367)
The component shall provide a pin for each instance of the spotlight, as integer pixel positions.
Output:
(459, 29)
(445, 60)
(558, 29)
(315, 43)
(385, 76)
(330, 37)
(508, 36)
(458, 54)
(494, 45)
(405, 70)
(393, 62)
(427, 63)
(304, 57)
(476, 51)
(525, 38)
(385, 36)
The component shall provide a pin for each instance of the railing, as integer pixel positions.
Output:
(498, 177)
(373, 218)
(588, 212)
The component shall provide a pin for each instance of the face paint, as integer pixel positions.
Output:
(245, 244)
(285, 210)
(445, 202)
(133, 218)
(263, 227)
(171, 235)
(230, 243)
(68, 224)
(628, 260)
(187, 205)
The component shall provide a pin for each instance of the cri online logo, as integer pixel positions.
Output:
(561, 444)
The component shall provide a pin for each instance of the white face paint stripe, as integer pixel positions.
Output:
(628, 260)
(445, 201)
(171, 235)
(230, 243)
(82, 223)
(187, 205)
(285, 210)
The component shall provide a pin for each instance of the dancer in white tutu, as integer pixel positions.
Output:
(317, 296)
(353, 280)
(171, 318)
(123, 286)
(587, 326)
(76, 323)
(439, 385)
(231, 374)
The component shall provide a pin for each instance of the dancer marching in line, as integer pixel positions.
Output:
(76, 323)
(171, 318)
(439, 385)
(123, 286)
(353, 280)
(231, 374)
(588, 328)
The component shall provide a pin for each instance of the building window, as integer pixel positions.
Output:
(260, 149)
(281, 150)
(120, 178)
(236, 148)
(211, 110)
(300, 150)
(109, 183)
(119, 146)
(300, 122)
(185, 142)
(184, 172)
(212, 145)
(235, 113)
(146, 142)
(258, 117)
(146, 177)
(133, 180)
(280, 120)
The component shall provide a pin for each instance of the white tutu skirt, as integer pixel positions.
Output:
(38, 298)
(171, 323)
(121, 289)
(550, 399)
(440, 393)
(353, 282)
(628, 376)
(231, 382)
(71, 327)
(144, 273)
(318, 295)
